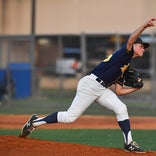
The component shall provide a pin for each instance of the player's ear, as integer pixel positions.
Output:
(134, 45)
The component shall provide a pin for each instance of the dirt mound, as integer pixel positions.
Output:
(17, 146)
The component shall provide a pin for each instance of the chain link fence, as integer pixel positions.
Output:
(51, 65)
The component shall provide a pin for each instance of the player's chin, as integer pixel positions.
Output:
(140, 55)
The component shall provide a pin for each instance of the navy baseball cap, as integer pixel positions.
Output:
(139, 40)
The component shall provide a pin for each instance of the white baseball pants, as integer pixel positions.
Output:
(88, 91)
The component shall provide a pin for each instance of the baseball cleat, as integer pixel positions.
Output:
(133, 147)
(28, 127)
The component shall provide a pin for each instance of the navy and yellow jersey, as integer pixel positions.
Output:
(113, 67)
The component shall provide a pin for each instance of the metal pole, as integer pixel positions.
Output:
(118, 42)
(60, 46)
(153, 72)
(61, 77)
(33, 9)
(8, 73)
(83, 53)
(32, 51)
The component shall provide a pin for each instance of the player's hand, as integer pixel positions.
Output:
(150, 23)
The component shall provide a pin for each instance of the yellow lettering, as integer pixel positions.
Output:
(123, 69)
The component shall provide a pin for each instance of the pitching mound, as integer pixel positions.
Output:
(16, 146)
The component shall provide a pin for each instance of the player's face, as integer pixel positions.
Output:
(138, 50)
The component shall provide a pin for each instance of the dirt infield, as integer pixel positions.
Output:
(17, 146)
(85, 121)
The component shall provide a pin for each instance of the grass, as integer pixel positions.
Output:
(102, 137)
(46, 105)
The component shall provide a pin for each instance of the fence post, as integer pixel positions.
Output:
(153, 71)
(83, 53)
(32, 55)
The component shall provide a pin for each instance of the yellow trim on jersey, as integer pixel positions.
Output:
(108, 58)
(124, 68)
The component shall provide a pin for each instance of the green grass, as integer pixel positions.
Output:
(46, 105)
(107, 138)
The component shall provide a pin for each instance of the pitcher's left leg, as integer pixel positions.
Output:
(109, 100)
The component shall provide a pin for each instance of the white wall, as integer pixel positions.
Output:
(75, 16)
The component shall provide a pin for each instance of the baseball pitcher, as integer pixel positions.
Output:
(115, 69)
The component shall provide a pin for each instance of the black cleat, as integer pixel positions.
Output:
(133, 147)
(28, 127)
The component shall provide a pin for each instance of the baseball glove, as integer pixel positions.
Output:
(132, 78)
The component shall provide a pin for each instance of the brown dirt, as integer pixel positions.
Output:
(17, 146)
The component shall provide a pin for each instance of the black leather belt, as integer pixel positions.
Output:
(94, 77)
(101, 82)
